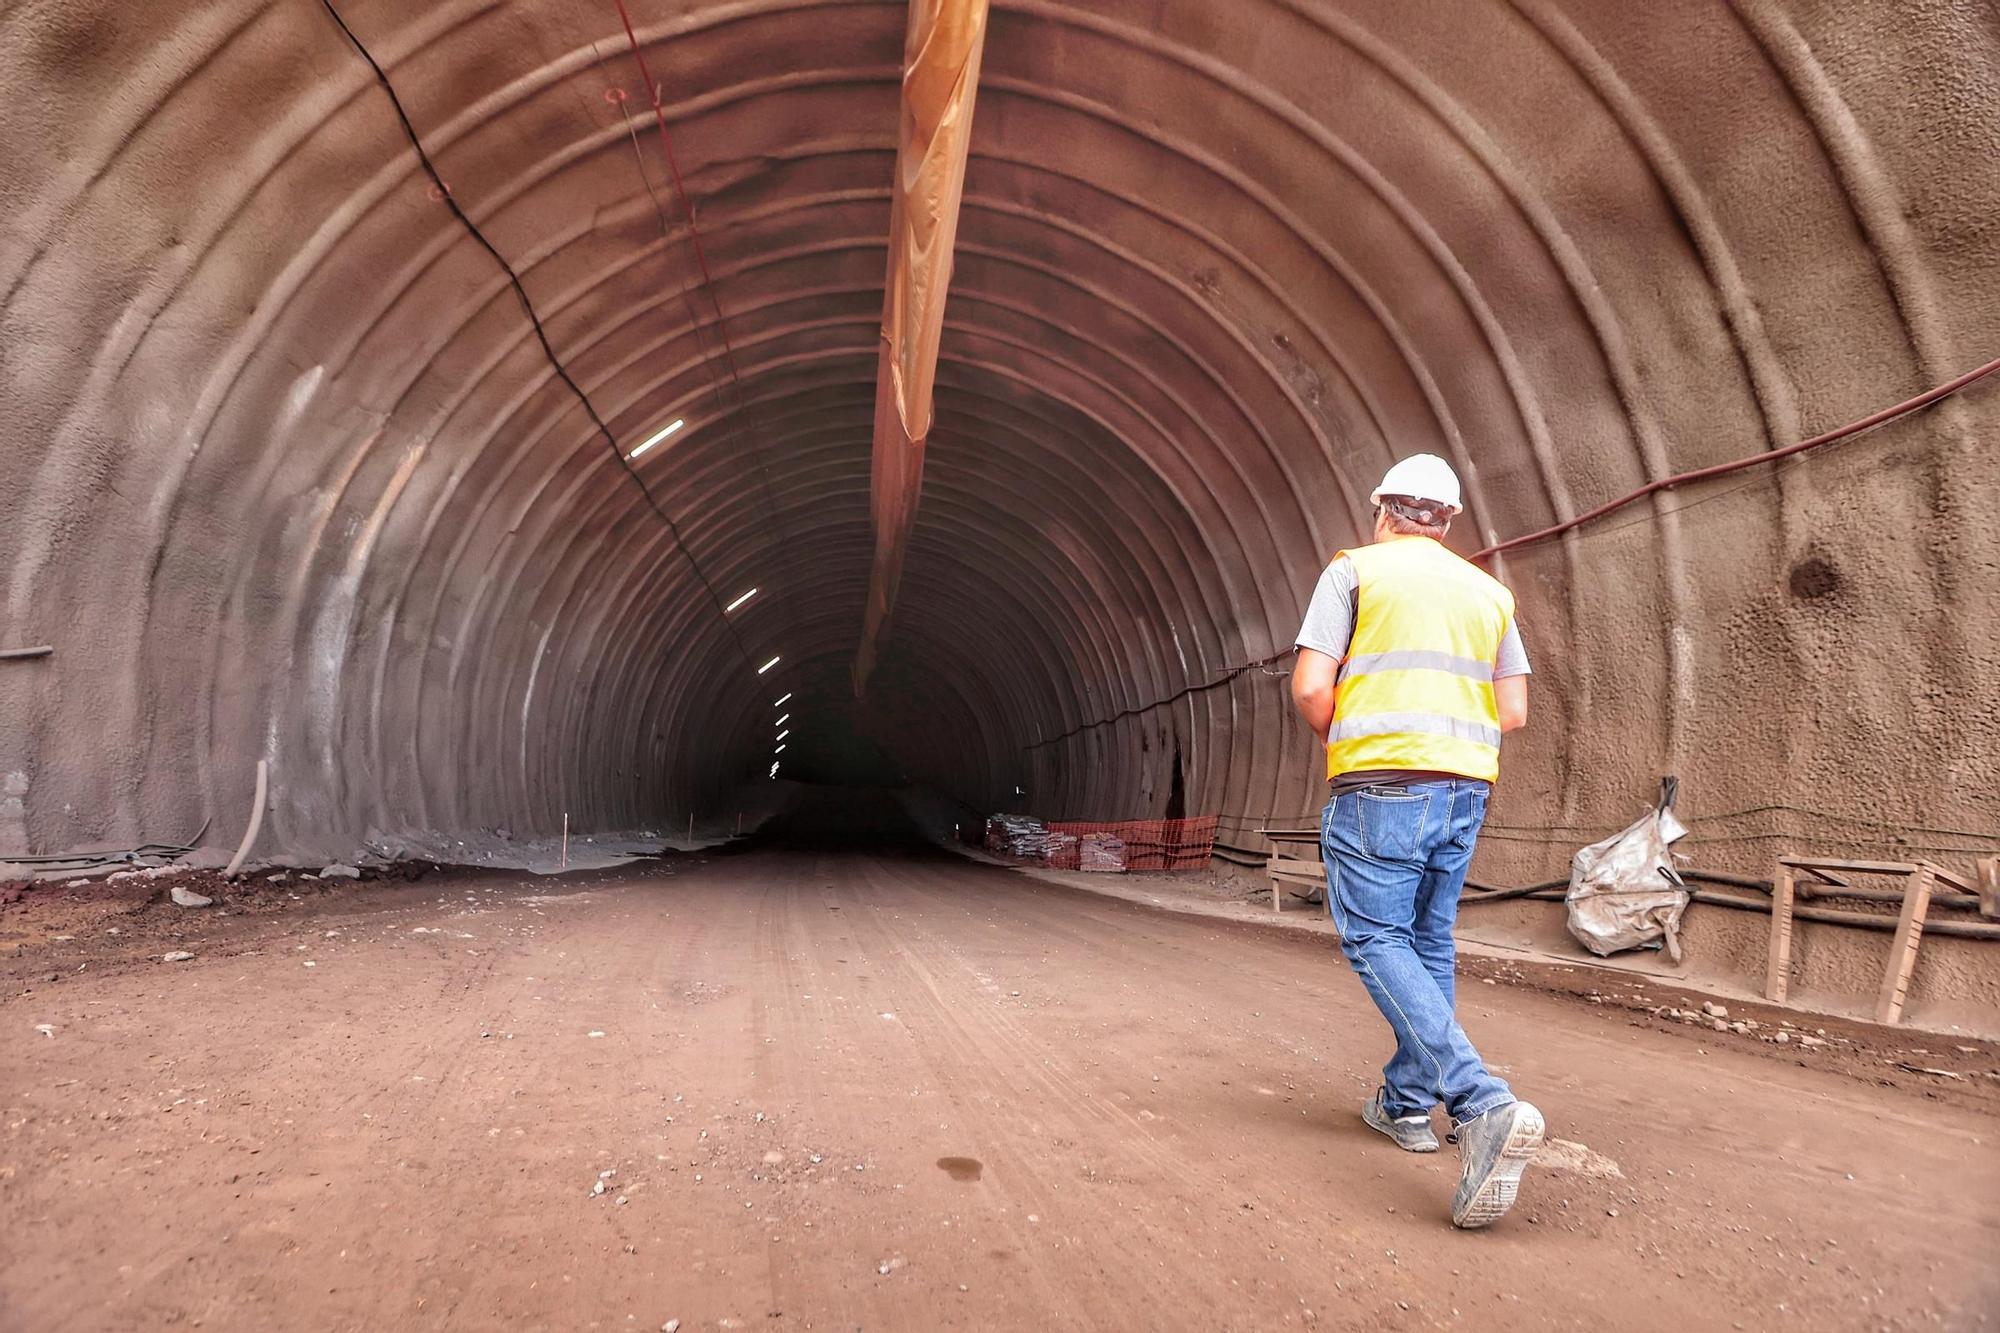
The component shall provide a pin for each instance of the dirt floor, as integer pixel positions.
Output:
(814, 1085)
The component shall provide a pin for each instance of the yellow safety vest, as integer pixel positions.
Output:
(1416, 688)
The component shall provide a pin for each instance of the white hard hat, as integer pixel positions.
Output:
(1421, 477)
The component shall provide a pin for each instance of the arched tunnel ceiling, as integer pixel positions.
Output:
(287, 474)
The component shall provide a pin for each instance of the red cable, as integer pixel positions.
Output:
(1724, 469)
(680, 192)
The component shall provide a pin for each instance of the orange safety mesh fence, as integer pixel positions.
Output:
(1110, 846)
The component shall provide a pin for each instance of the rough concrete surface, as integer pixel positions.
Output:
(821, 1086)
(286, 475)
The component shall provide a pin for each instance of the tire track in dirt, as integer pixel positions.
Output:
(962, 1073)
(1198, 1200)
(1081, 1122)
(831, 1035)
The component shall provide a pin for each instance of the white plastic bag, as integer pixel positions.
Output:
(1624, 892)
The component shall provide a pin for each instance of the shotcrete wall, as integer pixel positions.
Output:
(285, 472)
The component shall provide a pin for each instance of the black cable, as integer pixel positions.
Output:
(1735, 838)
(1703, 817)
(535, 320)
(1231, 674)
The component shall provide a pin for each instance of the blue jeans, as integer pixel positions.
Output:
(1396, 859)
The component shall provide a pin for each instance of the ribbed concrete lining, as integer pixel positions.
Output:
(285, 474)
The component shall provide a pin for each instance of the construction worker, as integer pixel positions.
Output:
(1410, 667)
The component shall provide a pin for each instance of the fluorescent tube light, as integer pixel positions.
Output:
(671, 427)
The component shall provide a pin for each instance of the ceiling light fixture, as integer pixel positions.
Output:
(739, 601)
(782, 702)
(768, 665)
(783, 720)
(783, 734)
(671, 427)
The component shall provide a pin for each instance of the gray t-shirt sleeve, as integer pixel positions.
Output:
(1329, 625)
(1512, 660)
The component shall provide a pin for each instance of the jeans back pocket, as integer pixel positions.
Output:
(1392, 823)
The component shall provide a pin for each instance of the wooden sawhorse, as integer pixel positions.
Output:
(1294, 860)
(1921, 880)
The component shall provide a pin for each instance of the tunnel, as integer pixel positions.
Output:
(392, 398)
(537, 791)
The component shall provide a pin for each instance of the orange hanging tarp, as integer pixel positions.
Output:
(940, 79)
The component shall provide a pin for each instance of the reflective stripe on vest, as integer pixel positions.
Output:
(1417, 659)
(1394, 724)
(1416, 690)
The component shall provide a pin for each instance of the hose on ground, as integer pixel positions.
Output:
(256, 820)
(1970, 930)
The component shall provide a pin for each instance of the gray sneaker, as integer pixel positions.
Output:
(1411, 1133)
(1496, 1148)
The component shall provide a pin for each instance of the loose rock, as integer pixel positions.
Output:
(177, 956)
(188, 898)
(1713, 1010)
(343, 871)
